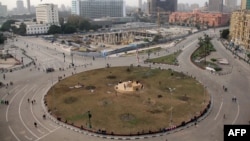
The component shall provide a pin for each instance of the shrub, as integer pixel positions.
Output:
(218, 69)
(90, 87)
(111, 77)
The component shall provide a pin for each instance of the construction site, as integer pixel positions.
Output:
(132, 37)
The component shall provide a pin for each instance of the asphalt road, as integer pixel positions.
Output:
(17, 119)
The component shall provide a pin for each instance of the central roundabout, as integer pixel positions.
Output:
(127, 100)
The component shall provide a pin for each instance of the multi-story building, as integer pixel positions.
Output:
(240, 28)
(215, 5)
(140, 4)
(231, 3)
(33, 28)
(3, 10)
(162, 5)
(28, 6)
(199, 18)
(20, 7)
(245, 4)
(194, 6)
(47, 14)
(75, 7)
(99, 8)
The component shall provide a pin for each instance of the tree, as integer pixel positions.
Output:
(74, 20)
(248, 55)
(54, 29)
(22, 29)
(224, 34)
(7, 25)
(84, 25)
(2, 38)
(61, 21)
(69, 29)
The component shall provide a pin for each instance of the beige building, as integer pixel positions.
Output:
(47, 14)
(240, 28)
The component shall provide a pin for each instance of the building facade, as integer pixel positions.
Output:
(33, 29)
(163, 5)
(28, 6)
(101, 8)
(140, 4)
(75, 7)
(245, 4)
(3, 10)
(240, 28)
(20, 7)
(198, 18)
(231, 3)
(47, 14)
(215, 5)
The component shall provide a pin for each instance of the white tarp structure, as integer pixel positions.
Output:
(223, 61)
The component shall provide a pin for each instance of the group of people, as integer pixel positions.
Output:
(32, 101)
(6, 102)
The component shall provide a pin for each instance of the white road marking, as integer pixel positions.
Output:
(53, 125)
(47, 134)
(218, 111)
(7, 111)
(19, 112)
(40, 131)
(238, 113)
(35, 116)
(10, 91)
(14, 134)
(188, 45)
(28, 138)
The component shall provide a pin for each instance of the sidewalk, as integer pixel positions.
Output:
(241, 55)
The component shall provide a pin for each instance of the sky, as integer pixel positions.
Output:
(12, 3)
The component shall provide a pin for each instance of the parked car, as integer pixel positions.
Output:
(50, 70)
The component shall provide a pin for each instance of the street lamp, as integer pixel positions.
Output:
(171, 114)
(64, 57)
(72, 59)
(89, 116)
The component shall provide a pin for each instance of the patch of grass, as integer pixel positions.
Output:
(169, 59)
(149, 108)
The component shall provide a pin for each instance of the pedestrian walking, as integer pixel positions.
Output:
(44, 116)
(35, 124)
(28, 100)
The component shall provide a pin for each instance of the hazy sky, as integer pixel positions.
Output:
(12, 3)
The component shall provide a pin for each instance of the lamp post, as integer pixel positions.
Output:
(72, 59)
(64, 57)
(89, 116)
(171, 112)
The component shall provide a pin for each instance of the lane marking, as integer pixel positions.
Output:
(9, 91)
(53, 125)
(189, 45)
(28, 138)
(40, 131)
(7, 110)
(218, 111)
(47, 134)
(31, 108)
(19, 112)
(14, 134)
(238, 113)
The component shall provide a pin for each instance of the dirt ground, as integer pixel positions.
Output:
(7, 63)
